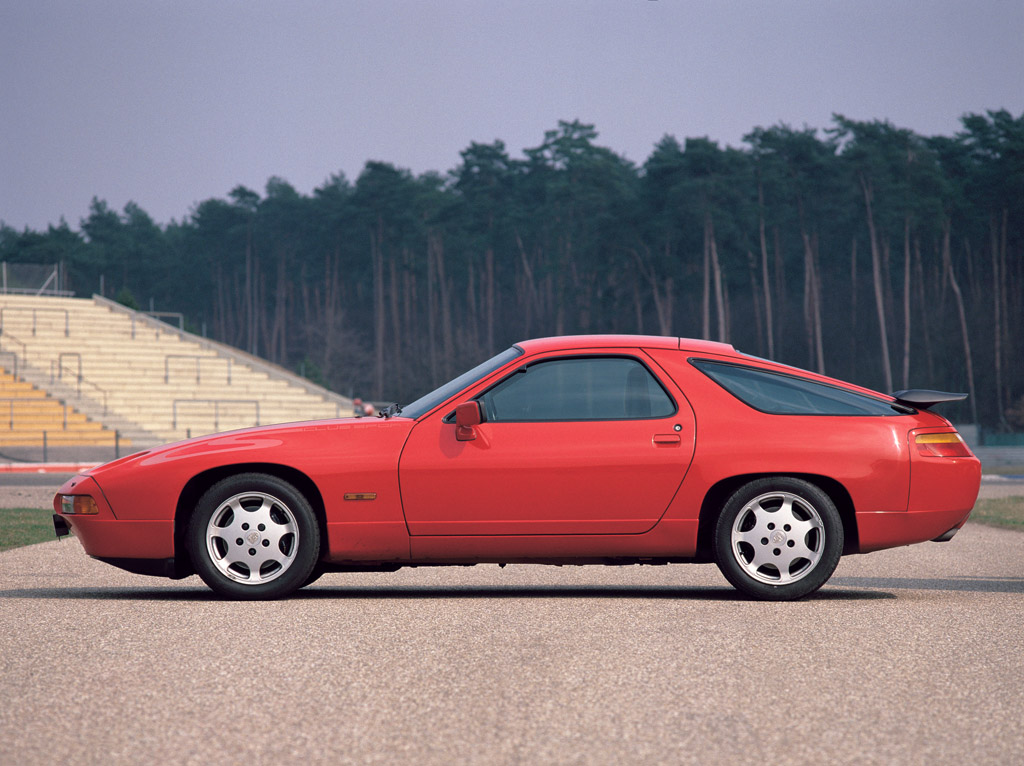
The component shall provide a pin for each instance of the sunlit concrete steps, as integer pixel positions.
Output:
(140, 374)
(28, 418)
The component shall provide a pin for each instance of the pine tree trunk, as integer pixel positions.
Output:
(490, 298)
(444, 291)
(638, 307)
(766, 281)
(705, 314)
(853, 301)
(377, 255)
(397, 333)
(528, 297)
(250, 288)
(922, 302)
(876, 273)
(711, 246)
(819, 344)
(755, 302)
(779, 299)
(906, 302)
(432, 314)
(998, 281)
(947, 259)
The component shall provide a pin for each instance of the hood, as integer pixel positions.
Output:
(257, 438)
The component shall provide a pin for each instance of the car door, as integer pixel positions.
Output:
(570, 445)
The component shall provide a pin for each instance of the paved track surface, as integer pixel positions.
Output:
(910, 656)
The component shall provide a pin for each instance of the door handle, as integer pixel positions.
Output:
(667, 440)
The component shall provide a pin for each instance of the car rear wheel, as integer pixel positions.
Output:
(253, 536)
(778, 538)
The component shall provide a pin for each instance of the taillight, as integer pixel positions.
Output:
(941, 445)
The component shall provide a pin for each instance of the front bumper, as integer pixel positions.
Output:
(104, 536)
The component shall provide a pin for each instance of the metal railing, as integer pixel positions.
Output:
(198, 360)
(14, 356)
(216, 409)
(24, 349)
(157, 315)
(30, 273)
(60, 367)
(35, 317)
(57, 370)
(169, 315)
(45, 444)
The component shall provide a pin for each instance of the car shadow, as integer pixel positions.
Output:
(327, 591)
(557, 591)
(964, 584)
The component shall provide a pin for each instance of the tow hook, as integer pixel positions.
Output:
(60, 526)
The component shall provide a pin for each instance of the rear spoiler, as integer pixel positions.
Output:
(922, 399)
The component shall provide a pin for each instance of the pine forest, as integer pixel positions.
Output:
(861, 250)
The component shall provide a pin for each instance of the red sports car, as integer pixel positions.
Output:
(570, 450)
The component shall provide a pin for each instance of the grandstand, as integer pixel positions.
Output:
(91, 373)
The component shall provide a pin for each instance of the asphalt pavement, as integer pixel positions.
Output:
(909, 656)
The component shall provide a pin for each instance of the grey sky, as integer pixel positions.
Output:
(170, 103)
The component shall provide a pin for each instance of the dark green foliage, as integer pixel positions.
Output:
(387, 286)
(125, 298)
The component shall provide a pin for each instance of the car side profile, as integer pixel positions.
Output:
(570, 450)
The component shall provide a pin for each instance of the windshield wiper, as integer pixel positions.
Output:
(391, 410)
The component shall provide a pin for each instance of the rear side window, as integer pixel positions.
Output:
(780, 394)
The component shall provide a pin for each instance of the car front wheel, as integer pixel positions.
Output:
(778, 538)
(253, 536)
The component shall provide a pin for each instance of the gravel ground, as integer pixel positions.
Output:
(27, 497)
(909, 656)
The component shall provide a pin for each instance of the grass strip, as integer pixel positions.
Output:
(1007, 512)
(1004, 470)
(25, 526)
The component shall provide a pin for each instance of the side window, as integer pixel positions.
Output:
(587, 388)
(779, 394)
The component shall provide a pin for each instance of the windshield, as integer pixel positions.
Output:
(426, 403)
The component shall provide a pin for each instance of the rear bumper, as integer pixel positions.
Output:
(891, 529)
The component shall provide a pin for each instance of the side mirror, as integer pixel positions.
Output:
(467, 415)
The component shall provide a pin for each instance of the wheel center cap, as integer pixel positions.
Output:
(778, 537)
(253, 538)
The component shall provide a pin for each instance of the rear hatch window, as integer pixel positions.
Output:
(781, 394)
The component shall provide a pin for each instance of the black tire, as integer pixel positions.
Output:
(778, 538)
(253, 536)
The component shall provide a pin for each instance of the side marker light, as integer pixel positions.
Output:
(78, 505)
